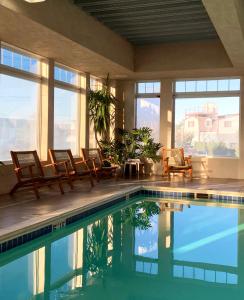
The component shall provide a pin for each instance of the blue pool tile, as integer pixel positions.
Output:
(9, 245)
(4, 247)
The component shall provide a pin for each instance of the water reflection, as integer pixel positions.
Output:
(146, 250)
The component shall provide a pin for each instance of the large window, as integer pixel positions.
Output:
(66, 109)
(148, 107)
(19, 103)
(207, 117)
(65, 119)
(95, 85)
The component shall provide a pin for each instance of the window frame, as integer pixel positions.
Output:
(207, 94)
(25, 75)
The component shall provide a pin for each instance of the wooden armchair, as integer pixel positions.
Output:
(174, 161)
(65, 165)
(95, 161)
(30, 172)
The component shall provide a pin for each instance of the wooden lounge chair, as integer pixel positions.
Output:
(96, 163)
(174, 161)
(30, 172)
(66, 166)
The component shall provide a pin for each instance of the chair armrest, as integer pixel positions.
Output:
(81, 162)
(64, 163)
(188, 159)
(56, 164)
(28, 167)
(24, 167)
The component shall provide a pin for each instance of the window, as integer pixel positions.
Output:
(215, 130)
(18, 60)
(67, 109)
(65, 119)
(95, 83)
(218, 85)
(148, 108)
(19, 116)
(148, 87)
(65, 75)
(227, 124)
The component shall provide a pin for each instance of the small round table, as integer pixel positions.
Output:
(131, 163)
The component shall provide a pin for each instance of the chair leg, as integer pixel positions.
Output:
(70, 182)
(60, 187)
(91, 181)
(35, 188)
(97, 176)
(190, 173)
(14, 189)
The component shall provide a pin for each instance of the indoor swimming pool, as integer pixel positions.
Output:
(144, 248)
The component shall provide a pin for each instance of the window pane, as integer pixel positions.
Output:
(157, 87)
(19, 61)
(65, 119)
(234, 84)
(212, 85)
(148, 87)
(201, 86)
(190, 86)
(148, 114)
(65, 75)
(18, 115)
(208, 126)
(223, 85)
(95, 84)
(141, 88)
(180, 86)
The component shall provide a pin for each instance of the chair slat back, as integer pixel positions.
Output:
(92, 154)
(175, 156)
(58, 156)
(23, 159)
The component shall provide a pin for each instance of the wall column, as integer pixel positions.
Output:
(166, 112)
(87, 120)
(47, 109)
(129, 102)
(241, 131)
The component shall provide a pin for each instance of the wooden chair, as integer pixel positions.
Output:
(95, 161)
(30, 172)
(174, 161)
(66, 166)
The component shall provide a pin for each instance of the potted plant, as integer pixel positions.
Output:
(101, 105)
(134, 144)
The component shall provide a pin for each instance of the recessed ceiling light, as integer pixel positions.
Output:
(34, 1)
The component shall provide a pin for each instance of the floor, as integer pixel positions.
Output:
(24, 210)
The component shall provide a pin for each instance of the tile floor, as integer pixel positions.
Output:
(23, 210)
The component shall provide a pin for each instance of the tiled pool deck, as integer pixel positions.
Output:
(24, 211)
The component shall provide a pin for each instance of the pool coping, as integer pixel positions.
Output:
(20, 234)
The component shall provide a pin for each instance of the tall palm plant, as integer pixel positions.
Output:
(102, 110)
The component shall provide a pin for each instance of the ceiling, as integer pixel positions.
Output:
(153, 21)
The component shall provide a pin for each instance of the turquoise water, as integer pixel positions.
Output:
(135, 250)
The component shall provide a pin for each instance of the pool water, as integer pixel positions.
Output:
(141, 249)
